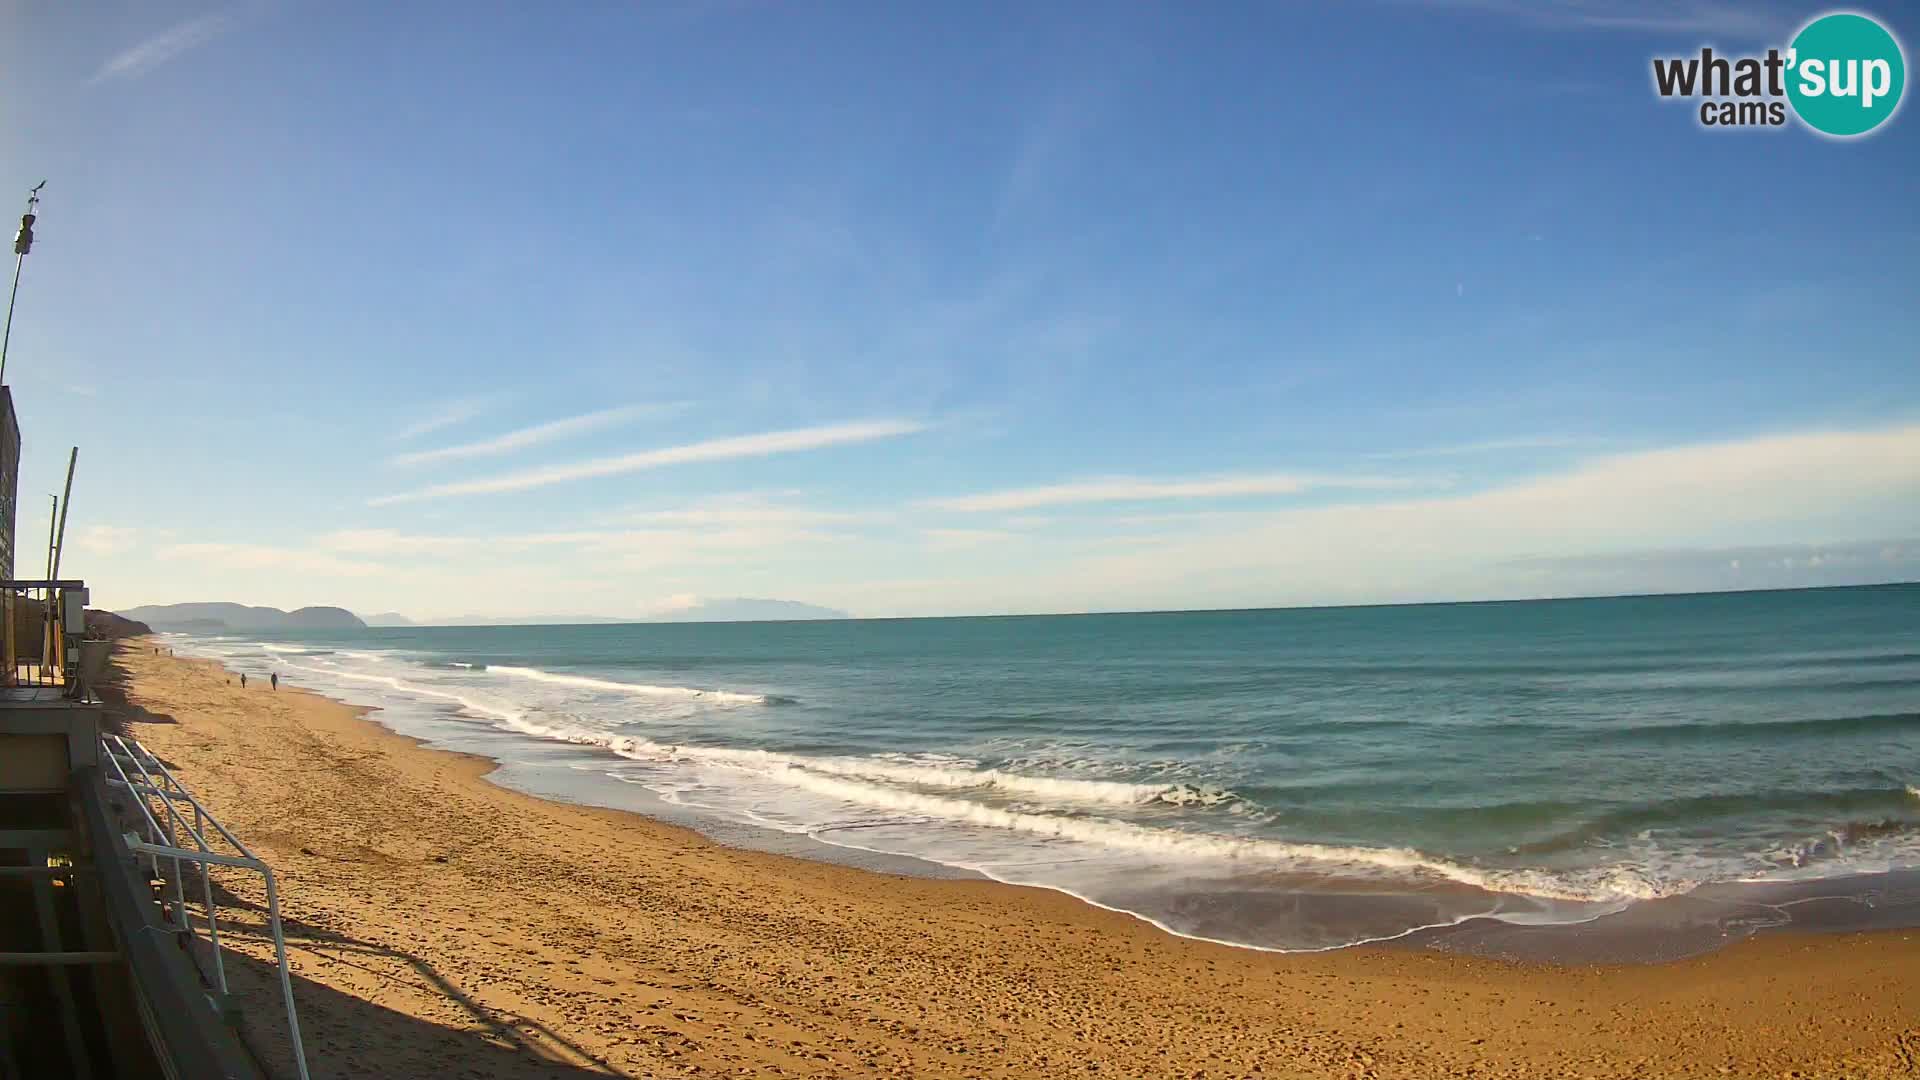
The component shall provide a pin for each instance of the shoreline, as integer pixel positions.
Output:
(1135, 997)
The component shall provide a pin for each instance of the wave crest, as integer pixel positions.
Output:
(853, 781)
(587, 682)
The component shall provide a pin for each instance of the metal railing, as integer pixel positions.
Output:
(165, 842)
(41, 625)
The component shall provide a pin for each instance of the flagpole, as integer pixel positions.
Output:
(22, 243)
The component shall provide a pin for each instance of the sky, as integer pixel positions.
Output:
(947, 309)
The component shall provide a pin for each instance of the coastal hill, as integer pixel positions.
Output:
(112, 627)
(217, 617)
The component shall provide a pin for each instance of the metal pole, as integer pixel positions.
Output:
(48, 641)
(21, 245)
(11, 297)
(286, 978)
(66, 503)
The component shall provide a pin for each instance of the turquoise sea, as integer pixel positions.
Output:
(1287, 779)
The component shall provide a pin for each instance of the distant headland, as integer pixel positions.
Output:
(218, 617)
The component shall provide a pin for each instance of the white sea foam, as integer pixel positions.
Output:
(641, 689)
(473, 705)
(851, 781)
(1604, 885)
(1046, 788)
(942, 775)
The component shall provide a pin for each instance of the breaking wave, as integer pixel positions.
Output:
(853, 781)
(585, 682)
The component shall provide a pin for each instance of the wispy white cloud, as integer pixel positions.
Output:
(164, 46)
(1840, 486)
(1490, 446)
(746, 509)
(1749, 21)
(1789, 509)
(1822, 493)
(950, 540)
(237, 557)
(392, 542)
(538, 433)
(1140, 489)
(1044, 154)
(766, 444)
(107, 539)
(444, 415)
(722, 521)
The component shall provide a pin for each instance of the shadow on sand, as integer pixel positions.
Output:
(348, 1036)
(118, 711)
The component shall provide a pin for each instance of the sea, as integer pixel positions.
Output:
(1298, 779)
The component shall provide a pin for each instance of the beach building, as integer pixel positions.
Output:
(110, 959)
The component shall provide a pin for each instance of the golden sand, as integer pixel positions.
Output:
(443, 926)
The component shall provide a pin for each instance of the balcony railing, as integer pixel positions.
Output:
(42, 627)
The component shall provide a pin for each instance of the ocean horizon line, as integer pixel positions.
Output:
(615, 620)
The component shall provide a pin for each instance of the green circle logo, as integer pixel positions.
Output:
(1845, 74)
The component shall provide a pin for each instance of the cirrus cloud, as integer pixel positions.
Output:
(765, 444)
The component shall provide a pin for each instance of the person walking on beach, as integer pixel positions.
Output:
(243, 680)
(276, 680)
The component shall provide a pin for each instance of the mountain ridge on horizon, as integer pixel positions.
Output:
(220, 616)
(229, 616)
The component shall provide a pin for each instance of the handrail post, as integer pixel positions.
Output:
(213, 927)
(286, 978)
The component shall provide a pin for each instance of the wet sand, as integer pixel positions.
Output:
(442, 925)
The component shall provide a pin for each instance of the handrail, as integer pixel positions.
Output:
(181, 789)
(173, 815)
(168, 788)
(192, 1041)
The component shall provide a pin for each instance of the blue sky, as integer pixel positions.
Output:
(909, 309)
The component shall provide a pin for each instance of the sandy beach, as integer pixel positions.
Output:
(441, 925)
